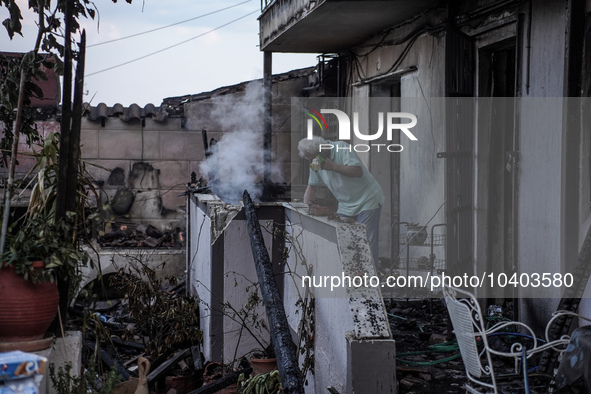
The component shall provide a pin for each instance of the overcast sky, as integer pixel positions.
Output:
(226, 56)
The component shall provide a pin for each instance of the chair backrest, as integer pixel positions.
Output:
(469, 327)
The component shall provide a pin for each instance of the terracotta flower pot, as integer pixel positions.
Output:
(263, 365)
(182, 384)
(26, 309)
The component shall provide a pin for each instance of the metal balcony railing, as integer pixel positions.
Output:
(265, 4)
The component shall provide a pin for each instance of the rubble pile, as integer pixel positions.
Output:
(428, 359)
(146, 329)
(145, 353)
(417, 326)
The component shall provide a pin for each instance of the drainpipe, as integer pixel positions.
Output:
(267, 123)
(285, 349)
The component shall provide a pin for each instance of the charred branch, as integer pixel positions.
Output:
(285, 349)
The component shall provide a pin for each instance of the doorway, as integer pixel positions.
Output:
(498, 157)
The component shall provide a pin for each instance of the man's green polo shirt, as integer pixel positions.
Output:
(354, 195)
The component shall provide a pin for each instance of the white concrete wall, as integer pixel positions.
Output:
(422, 174)
(239, 274)
(539, 190)
(542, 156)
(199, 273)
(316, 241)
(218, 285)
(320, 247)
(166, 262)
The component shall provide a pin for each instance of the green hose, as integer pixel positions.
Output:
(428, 363)
(438, 348)
(397, 317)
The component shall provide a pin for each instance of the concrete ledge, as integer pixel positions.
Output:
(371, 365)
(64, 350)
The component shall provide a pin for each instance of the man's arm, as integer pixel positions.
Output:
(350, 171)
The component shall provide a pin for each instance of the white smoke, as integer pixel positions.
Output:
(237, 161)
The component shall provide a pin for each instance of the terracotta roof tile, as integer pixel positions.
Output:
(126, 114)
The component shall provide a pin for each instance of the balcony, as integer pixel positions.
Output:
(328, 26)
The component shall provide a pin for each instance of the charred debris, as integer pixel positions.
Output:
(128, 236)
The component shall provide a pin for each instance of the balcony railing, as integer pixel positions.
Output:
(265, 4)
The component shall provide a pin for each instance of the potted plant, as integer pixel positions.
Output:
(40, 251)
(263, 362)
(269, 382)
(57, 208)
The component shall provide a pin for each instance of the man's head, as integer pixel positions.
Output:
(310, 148)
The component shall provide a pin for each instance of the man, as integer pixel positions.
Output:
(336, 165)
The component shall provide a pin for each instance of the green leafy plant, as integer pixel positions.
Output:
(65, 381)
(19, 74)
(39, 235)
(40, 239)
(269, 383)
(58, 28)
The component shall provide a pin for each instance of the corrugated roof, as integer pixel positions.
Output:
(134, 111)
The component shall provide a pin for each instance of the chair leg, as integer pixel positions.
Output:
(524, 370)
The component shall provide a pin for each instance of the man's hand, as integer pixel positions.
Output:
(328, 165)
(350, 171)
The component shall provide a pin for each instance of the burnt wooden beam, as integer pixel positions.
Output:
(285, 348)
(221, 383)
(65, 126)
(64, 159)
(75, 129)
(168, 364)
(133, 345)
(110, 361)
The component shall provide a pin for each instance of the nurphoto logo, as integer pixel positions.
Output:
(392, 122)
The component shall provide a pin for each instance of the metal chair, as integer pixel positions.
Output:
(473, 340)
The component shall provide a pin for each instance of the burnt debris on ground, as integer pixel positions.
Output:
(140, 320)
(143, 317)
(427, 358)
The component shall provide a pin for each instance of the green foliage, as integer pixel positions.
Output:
(41, 239)
(268, 383)
(50, 16)
(38, 236)
(10, 68)
(32, 65)
(65, 381)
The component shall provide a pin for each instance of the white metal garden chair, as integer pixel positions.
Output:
(470, 329)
